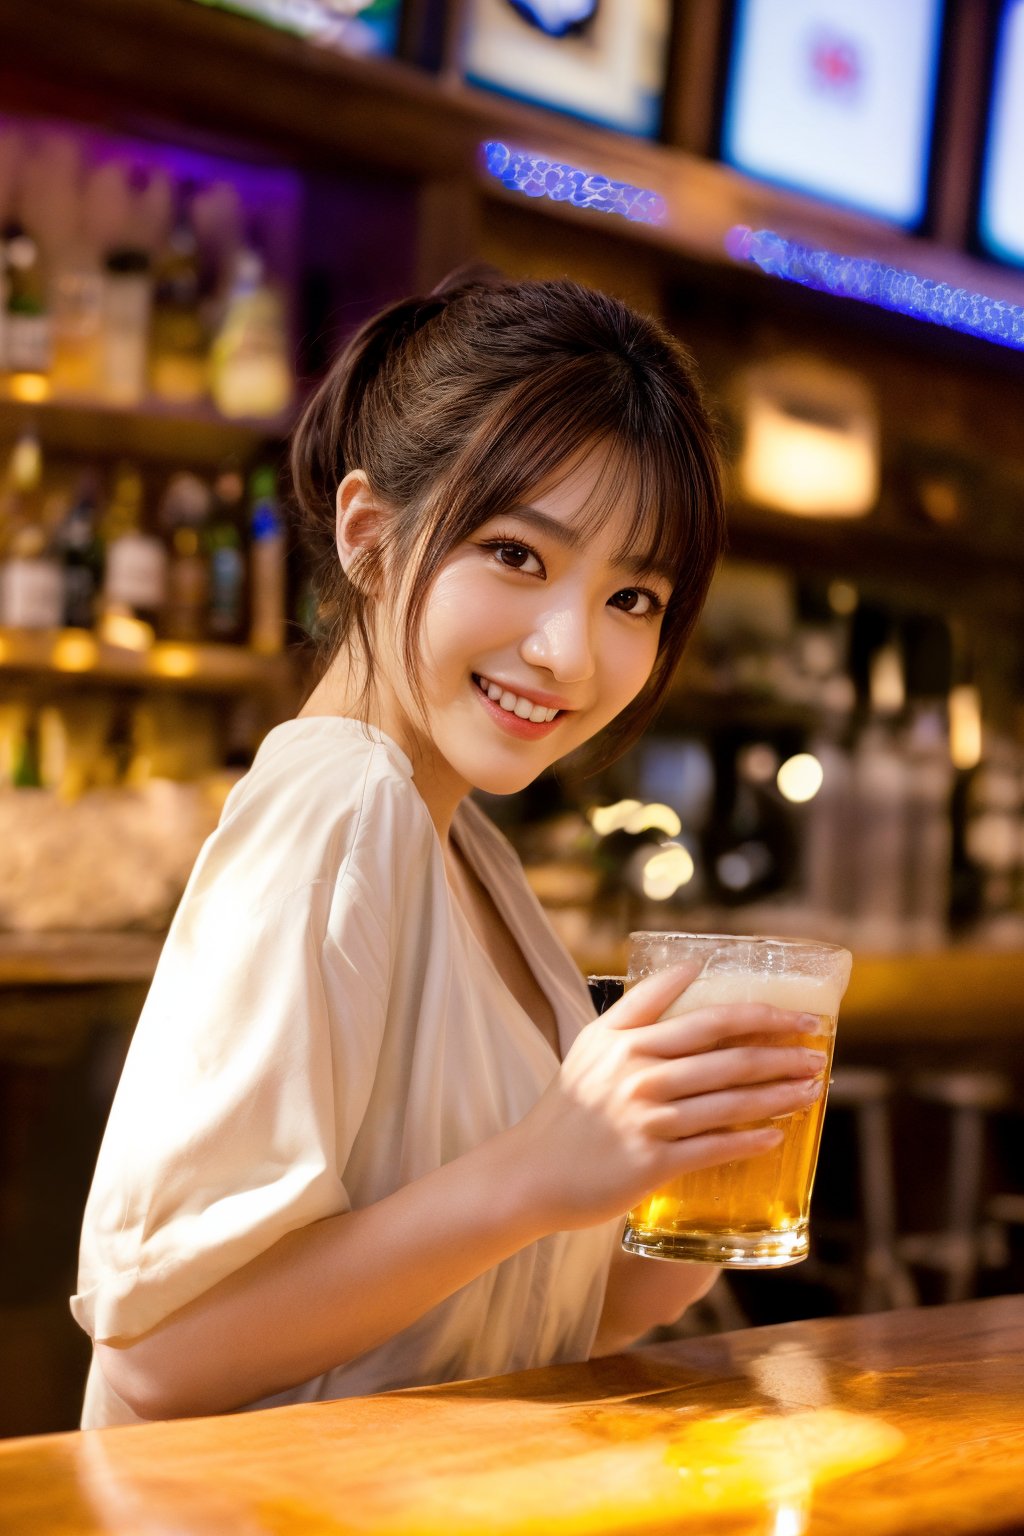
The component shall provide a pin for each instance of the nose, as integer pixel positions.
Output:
(561, 642)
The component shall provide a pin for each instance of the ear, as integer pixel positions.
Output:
(360, 520)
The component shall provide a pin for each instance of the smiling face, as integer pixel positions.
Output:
(538, 630)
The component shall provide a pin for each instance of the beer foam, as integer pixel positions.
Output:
(820, 995)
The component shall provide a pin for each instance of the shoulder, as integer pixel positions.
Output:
(324, 795)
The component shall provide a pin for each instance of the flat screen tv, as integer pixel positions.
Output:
(836, 99)
(1001, 204)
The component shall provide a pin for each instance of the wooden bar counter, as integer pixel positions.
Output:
(901, 1422)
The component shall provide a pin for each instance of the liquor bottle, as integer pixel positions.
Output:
(31, 587)
(179, 362)
(135, 579)
(183, 516)
(28, 335)
(76, 542)
(267, 565)
(25, 770)
(224, 540)
(55, 197)
(124, 340)
(250, 364)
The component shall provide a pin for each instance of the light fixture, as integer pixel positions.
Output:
(809, 438)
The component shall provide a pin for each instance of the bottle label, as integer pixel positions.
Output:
(137, 572)
(31, 594)
(28, 343)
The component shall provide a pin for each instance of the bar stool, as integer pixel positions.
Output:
(882, 1279)
(969, 1239)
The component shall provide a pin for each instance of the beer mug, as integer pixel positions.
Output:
(753, 1213)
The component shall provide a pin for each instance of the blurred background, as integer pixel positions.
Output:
(199, 201)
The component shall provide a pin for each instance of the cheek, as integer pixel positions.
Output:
(458, 619)
(629, 660)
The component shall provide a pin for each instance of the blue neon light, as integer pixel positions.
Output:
(535, 176)
(905, 293)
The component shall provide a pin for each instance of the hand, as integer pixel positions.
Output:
(640, 1099)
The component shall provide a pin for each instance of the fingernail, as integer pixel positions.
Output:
(810, 1023)
(815, 1059)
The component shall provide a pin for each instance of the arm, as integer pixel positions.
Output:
(644, 1294)
(637, 1101)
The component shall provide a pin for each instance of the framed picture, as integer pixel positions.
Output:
(836, 100)
(603, 60)
(351, 26)
(1001, 207)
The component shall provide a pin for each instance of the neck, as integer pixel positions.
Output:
(340, 692)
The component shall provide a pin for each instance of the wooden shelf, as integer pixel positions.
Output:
(77, 959)
(76, 656)
(151, 431)
(295, 103)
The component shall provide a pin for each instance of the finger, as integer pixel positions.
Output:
(707, 1027)
(648, 999)
(737, 1066)
(719, 1147)
(732, 1108)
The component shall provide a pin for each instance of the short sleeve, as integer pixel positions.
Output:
(243, 1090)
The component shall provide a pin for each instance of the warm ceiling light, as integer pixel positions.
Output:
(810, 439)
(800, 778)
(965, 739)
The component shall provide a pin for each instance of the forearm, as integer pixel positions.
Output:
(330, 1291)
(644, 1294)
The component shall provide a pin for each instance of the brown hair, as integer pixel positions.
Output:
(458, 405)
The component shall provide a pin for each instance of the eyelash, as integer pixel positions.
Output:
(654, 611)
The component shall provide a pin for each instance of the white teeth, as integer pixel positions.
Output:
(515, 705)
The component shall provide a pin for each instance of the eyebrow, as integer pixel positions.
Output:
(574, 538)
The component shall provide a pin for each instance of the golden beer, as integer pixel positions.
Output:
(753, 1213)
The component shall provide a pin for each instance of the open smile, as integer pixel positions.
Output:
(522, 716)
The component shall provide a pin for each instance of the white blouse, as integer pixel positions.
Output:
(322, 1028)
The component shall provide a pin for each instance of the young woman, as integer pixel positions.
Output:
(363, 1139)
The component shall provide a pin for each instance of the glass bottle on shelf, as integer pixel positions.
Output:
(31, 588)
(184, 512)
(28, 332)
(76, 542)
(226, 545)
(135, 578)
(267, 565)
(250, 363)
(124, 342)
(178, 361)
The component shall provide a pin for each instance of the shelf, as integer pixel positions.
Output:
(78, 959)
(274, 94)
(198, 437)
(77, 656)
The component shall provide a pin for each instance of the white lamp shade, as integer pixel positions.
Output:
(810, 440)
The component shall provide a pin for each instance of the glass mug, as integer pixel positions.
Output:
(752, 1213)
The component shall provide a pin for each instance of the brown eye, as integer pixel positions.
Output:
(514, 556)
(632, 600)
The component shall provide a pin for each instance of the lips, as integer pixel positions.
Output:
(538, 720)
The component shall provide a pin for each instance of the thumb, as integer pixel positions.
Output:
(647, 1000)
